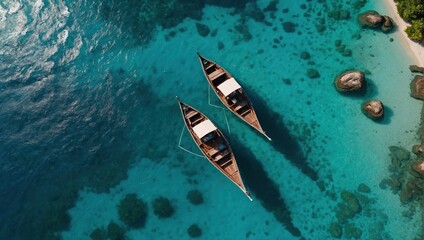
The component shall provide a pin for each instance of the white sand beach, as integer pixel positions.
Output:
(417, 51)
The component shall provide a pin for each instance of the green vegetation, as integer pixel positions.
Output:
(412, 11)
(416, 30)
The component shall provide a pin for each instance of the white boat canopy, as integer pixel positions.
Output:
(204, 128)
(228, 86)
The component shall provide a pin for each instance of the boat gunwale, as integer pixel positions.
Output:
(221, 98)
(211, 161)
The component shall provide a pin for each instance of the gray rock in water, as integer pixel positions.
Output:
(371, 19)
(418, 149)
(417, 87)
(388, 24)
(350, 81)
(416, 69)
(399, 153)
(419, 167)
(373, 109)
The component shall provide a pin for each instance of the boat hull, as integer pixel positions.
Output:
(230, 93)
(212, 143)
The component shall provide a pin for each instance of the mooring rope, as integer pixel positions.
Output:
(209, 99)
(179, 145)
(226, 120)
(224, 109)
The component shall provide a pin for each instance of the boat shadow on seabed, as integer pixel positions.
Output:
(282, 141)
(263, 188)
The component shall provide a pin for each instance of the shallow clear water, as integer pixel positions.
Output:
(88, 115)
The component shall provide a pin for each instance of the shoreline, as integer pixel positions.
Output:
(415, 49)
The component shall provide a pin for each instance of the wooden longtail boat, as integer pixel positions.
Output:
(230, 93)
(212, 143)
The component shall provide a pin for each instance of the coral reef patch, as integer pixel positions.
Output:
(405, 179)
(132, 211)
(195, 197)
(112, 232)
(194, 231)
(162, 207)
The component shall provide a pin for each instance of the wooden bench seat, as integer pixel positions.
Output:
(191, 114)
(218, 73)
(198, 120)
(221, 155)
(211, 65)
(213, 151)
(241, 105)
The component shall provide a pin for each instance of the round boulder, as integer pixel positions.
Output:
(371, 19)
(416, 69)
(373, 109)
(417, 87)
(419, 167)
(350, 81)
(388, 24)
(418, 149)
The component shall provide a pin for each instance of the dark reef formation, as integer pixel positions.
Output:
(312, 73)
(93, 148)
(132, 211)
(289, 27)
(112, 232)
(406, 178)
(162, 207)
(194, 231)
(348, 208)
(195, 197)
(202, 29)
(341, 48)
(353, 205)
(141, 18)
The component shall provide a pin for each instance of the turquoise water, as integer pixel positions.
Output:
(89, 115)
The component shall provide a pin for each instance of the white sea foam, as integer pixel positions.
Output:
(13, 6)
(73, 52)
(62, 36)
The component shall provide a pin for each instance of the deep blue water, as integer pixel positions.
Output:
(87, 91)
